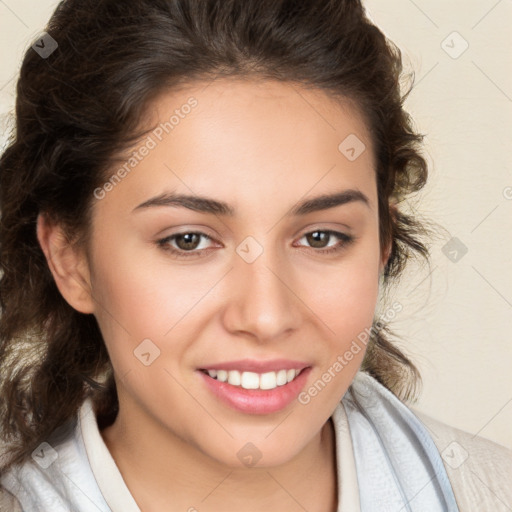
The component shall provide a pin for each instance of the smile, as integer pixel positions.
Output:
(251, 392)
(252, 380)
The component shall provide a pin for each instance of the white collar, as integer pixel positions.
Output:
(119, 498)
(107, 474)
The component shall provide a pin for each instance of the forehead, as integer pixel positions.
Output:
(291, 115)
(240, 137)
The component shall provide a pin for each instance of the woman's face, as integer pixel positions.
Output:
(254, 291)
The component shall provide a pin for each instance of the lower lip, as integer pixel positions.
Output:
(257, 401)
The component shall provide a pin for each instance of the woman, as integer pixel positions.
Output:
(201, 206)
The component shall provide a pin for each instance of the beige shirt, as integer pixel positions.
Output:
(479, 470)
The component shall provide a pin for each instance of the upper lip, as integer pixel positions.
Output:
(252, 365)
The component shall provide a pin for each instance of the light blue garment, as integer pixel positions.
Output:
(399, 468)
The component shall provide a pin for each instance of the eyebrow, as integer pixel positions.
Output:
(209, 205)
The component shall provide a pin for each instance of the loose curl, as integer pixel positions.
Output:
(79, 108)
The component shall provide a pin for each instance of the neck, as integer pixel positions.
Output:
(162, 470)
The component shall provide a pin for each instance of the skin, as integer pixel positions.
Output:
(262, 147)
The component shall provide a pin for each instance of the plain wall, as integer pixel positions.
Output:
(457, 314)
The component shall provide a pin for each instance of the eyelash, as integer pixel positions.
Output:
(163, 243)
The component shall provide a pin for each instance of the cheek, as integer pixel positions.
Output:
(348, 309)
(133, 302)
(141, 297)
(344, 299)
(348, 301)
(345, 302)
(136, 289)
(345, 295)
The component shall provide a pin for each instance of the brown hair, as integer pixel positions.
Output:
(80, 107)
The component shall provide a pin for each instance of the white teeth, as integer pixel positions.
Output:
(281, 377)
(252, 380)
(222, 375)
(234, 378)
(268, 380)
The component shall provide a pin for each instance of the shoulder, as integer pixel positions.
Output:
(8, 502)
(59, 476)
(479, 470)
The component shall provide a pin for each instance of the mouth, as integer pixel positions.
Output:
(251, 392)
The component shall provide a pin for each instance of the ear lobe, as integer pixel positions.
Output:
(67, 264)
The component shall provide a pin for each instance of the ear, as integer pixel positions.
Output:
(386, 252)
(67, 264)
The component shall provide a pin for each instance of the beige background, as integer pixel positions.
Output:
(457, 315)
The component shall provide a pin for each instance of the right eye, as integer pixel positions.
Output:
(185, 244)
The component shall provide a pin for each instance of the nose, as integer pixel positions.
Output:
(265, 301)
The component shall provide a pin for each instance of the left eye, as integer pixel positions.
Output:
(319, 237)
(188, 244)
